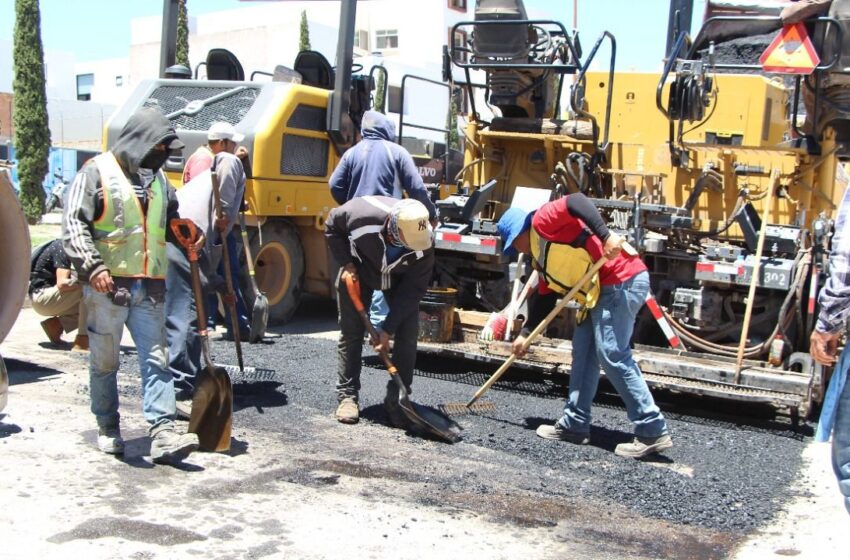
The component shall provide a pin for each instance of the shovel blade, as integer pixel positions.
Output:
(429, 421)
(212, 410)
(259, 318)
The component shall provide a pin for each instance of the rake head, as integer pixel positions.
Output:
(460, 409)
(251, 374)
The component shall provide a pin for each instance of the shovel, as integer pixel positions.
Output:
(212, 403)
(426, 420)
(231, 303)
(260, 313)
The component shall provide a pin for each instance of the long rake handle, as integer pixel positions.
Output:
(539, 329)
(225, 255)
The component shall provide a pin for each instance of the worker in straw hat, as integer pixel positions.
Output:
(387, 244)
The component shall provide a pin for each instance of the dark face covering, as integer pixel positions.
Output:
(154, 160)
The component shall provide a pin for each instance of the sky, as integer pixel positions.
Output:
(70, 25)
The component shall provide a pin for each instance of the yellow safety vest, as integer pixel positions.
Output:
(131, 243)
(562, 266)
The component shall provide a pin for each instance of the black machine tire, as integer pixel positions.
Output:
(279, 265)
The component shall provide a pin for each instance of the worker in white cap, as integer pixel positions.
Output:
(387, 244)
(221, 137)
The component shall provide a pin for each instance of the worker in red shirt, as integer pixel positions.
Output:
(564, 238)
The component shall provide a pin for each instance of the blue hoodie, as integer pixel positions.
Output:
(378, 166)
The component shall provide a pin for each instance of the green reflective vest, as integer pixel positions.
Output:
(562, 266)
(131, 242)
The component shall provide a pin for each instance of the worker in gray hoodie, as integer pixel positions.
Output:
(377, 166)
(114, 230)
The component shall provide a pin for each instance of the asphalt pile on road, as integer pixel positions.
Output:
(721, 474)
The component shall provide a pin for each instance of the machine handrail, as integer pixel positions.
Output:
(574, 98)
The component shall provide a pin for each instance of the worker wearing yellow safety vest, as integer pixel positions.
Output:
(564, 238)
(114, 231)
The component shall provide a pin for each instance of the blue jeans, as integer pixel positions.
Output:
(602, 339)
(145, 319)
(379, 309)
(212, 298)
(841, 441)
(181, 322)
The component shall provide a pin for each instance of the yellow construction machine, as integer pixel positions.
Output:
(297, 125)
(704, 168)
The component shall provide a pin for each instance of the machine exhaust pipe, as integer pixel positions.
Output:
(14, 278)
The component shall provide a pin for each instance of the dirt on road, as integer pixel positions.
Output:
(299, 485)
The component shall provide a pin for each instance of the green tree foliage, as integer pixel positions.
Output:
(379, 92)
(182, 54)
(32, 135)
(304, 40)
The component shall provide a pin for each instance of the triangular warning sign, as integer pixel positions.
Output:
(791, 52)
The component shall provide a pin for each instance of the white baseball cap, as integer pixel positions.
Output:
(224, 131)
(413, 224)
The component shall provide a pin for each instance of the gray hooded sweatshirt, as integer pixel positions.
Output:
(378, 166)
(84, 203)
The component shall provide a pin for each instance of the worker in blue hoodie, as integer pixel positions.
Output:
(377, 166)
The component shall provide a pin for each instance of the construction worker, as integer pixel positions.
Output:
(114, 231)
(378, 166)
(834, 301)
(564, 238)
(56, 293)
(387, 244)
(181, 315)
(223, 138)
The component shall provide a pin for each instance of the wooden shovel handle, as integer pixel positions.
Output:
(353, 288)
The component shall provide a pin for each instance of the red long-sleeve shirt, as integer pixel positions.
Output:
(554, 222)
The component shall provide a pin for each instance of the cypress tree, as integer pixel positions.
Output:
(182, 53)
(304, 40)
(32, 134)
(379, 92)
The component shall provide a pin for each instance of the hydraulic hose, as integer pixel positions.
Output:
(785, 316)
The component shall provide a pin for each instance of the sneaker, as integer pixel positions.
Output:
(348, 411)
(641, 447)
(556, 431)
(53, 329)
(169, 448)
(109, 440)
(81, 343)
(184, 409)
(395, 414)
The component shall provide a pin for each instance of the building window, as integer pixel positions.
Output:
(458, 41)
(85, 82)
(119, 81)
(386, 39)
(459, 5)
(361, 39)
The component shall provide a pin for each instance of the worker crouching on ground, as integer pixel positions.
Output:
(114, 231)
(56, 293)
(387, 244)
(564, 237)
